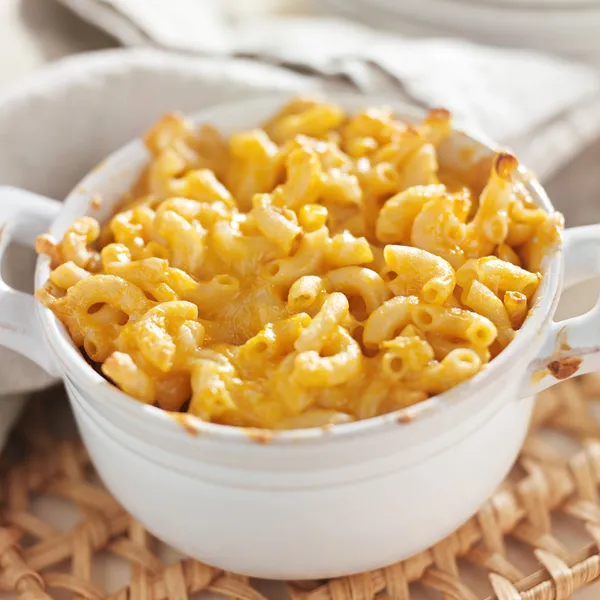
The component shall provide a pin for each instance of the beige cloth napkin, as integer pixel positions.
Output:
(545, 108)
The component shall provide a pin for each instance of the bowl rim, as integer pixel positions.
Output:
(80, 372)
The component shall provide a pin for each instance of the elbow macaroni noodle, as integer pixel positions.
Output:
(320, 270)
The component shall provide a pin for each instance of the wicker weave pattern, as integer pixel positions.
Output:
(543, 485)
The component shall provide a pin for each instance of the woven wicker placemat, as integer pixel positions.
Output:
(514, 545)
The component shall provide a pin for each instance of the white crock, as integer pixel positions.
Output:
(312, 503)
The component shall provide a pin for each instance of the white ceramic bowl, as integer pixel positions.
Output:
(311, 503)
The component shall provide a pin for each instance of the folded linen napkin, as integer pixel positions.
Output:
(546, 109)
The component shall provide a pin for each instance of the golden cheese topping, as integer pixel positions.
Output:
(317, 270)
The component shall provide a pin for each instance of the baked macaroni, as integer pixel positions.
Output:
(321, 269)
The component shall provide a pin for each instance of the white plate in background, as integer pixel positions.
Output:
(553, 27)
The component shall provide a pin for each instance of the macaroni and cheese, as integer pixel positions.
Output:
(318, 270)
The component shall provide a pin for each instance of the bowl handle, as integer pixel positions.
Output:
(572, 346)
(23, 216)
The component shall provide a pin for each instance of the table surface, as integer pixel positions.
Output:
(35, 32)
